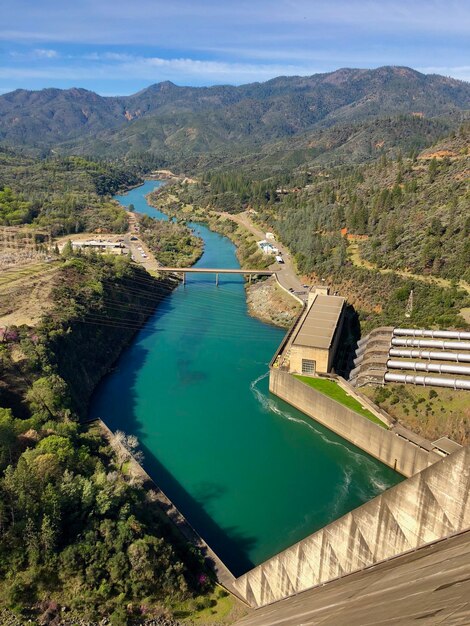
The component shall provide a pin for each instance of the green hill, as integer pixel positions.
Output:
(181, 125)
(375, 231)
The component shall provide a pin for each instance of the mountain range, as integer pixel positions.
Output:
(186, 124)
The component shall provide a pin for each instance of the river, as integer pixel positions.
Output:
(251, 474)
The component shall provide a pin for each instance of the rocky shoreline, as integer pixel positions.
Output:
(269, 303)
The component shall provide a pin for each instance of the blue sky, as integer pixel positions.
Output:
(119, 47)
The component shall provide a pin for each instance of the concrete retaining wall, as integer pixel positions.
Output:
(386, 446)
(224, 575)
(429, 506)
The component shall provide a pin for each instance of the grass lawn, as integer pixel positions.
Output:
(333, 390)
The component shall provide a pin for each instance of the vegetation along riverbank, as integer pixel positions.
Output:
(79, 536)
(265, 299)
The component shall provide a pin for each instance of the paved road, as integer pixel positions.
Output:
(286, 272)
(135, 244)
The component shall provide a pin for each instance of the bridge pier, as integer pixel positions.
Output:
(217, 280)
(184, 279)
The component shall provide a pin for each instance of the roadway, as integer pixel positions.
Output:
(286, 272)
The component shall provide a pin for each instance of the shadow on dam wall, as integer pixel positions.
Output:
(343, 361)
(429, 506)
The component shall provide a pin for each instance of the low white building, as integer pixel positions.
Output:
(266, 247)
(100, 245)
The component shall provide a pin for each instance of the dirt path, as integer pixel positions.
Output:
(358, 261)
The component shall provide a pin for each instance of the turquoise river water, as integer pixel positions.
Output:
(251, 474)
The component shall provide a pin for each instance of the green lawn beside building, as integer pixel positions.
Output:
(333, 390)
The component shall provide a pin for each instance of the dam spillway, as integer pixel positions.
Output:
(250, 473)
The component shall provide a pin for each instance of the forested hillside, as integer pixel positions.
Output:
(65, 195)
(408, 213)
(192, 127)
(375, 231)
(77, 532)
(411, 213)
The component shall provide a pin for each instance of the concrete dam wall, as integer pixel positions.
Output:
(396, 452)
(425, 587)
(432, 504)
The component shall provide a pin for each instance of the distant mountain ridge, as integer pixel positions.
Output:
(165, 119)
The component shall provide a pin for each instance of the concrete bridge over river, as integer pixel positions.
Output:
(216, 271)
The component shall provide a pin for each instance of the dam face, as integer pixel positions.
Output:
(428, 507)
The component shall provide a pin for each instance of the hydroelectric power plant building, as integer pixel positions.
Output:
(313, 341)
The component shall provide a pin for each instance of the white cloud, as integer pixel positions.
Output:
(110, 66)
(119, 67)
(44, 53)
(461, 72)
(188, 66)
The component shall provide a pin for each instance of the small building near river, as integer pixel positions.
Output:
(315, 339)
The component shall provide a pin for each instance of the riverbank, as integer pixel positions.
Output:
(265, 299)
(172, 244)
(268, 302)
(106, 325)
(104, 526)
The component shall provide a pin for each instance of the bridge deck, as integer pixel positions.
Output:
(205, 270)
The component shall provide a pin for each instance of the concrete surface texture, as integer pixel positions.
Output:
(427, 507)
(299, 354)
(396, 452)
(430, 587)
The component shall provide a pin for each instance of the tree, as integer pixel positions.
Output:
(8, 437)
(432, 170)
(126, 447)
(48, 395)
(67, 250)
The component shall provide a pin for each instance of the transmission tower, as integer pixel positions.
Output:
(409, 305)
